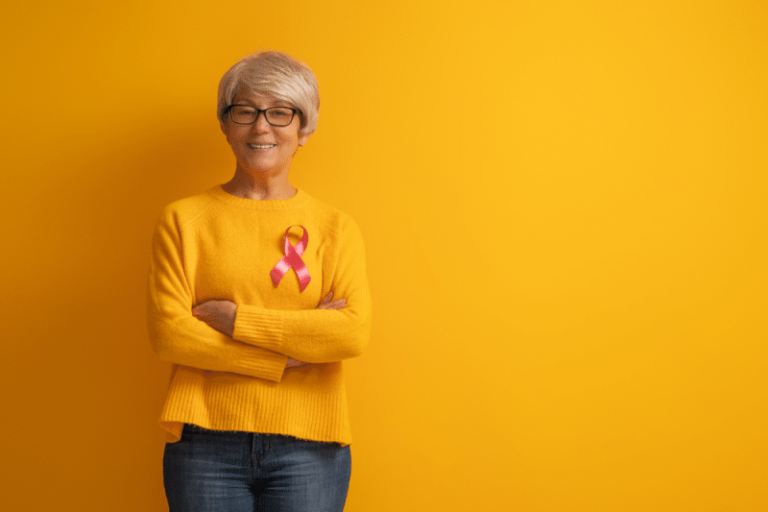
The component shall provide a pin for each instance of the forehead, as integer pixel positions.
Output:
(245, 97)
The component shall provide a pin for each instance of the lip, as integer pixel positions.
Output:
(253, 147)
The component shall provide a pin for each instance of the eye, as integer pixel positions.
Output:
(281, 113)
(245, 111)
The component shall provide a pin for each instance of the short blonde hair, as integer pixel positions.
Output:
(275, 74)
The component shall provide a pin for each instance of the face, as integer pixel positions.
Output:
(261, 147)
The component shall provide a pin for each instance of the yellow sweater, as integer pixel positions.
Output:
(218, 246)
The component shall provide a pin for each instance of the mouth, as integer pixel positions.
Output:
(261, 146)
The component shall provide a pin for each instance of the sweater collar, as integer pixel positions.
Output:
(300, 199)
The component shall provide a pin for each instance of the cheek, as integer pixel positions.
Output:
(228, 136)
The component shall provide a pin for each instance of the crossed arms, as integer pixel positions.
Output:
(221, 336)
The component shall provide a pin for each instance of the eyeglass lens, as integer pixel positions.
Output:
(276, 116)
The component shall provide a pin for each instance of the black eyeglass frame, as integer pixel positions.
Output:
(258, 113)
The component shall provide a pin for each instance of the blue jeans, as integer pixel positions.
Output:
(219, 471)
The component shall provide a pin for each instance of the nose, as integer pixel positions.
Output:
(261, 124)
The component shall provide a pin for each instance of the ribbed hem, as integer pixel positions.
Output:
(258, 326)
(300, 199)
(233, 403)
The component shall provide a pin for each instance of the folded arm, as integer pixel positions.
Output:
(315, 336)
(221, 314)
(177, 336)
(318, 335)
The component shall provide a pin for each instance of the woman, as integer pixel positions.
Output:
(257, 292)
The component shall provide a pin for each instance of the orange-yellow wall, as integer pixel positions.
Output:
(564, 205)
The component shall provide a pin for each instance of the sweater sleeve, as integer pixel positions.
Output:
(318, 335)
(178, 337)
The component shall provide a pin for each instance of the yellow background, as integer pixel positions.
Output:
(564, 206)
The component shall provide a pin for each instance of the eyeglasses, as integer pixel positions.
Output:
(276, 116)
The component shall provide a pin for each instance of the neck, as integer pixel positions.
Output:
(260, 186)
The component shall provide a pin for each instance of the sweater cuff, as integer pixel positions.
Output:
(260, 327)
(268, 365)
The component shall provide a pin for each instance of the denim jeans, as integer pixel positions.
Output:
(222, 471)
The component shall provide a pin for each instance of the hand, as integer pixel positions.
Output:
(295, 363)
(219, 314)
(327, 304)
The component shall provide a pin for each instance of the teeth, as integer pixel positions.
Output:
(264, 146)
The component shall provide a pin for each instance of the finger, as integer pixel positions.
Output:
(203, 306)
(204, 315)
(326, 300)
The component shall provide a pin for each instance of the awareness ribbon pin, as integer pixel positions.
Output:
(292, 259)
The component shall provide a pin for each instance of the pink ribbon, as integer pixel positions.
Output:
(292, 259)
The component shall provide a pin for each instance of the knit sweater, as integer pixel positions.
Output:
(218, 246)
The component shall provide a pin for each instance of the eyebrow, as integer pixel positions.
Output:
(278, 103)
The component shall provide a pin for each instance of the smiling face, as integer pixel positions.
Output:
(261, 147)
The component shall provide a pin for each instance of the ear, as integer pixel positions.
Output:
(303, 137)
